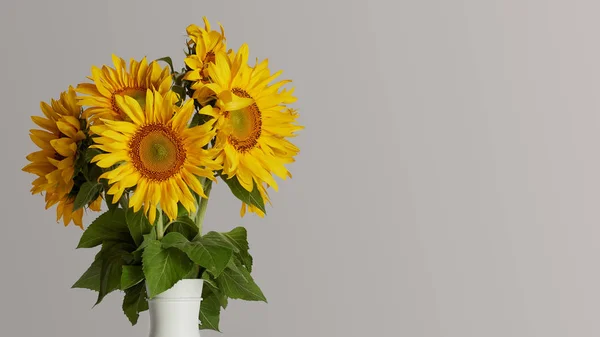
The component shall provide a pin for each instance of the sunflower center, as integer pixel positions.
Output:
(242, 124)
(157, 152)
(160, 152)
(139, 94)
(246, 124)
(209, 58)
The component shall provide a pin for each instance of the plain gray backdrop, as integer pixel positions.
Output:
(448, 182)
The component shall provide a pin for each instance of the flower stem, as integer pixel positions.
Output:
(160, 230)
(203, 204)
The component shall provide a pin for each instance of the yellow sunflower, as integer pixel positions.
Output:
(99, 97)
(54, 163)
(156, 153)
(65, 211)
(205, 43)
(253, 121)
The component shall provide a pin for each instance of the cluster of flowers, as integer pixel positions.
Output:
(152, 138)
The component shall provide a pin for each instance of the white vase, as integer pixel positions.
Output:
(174, 313)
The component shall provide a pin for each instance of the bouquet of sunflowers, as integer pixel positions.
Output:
(149, 142)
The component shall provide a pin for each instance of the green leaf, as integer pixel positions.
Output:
(138, 225)
(219, 239)
(251, 198)
(209, 251)
(90, 153)
(199, 119)
(210, 310)
(91, 171)
(208, 280)
(110, 226)
(168, 61)
(131, 276)
(164, 267)
(239, 238)
(113, 255)
(182, 229)
(181, 211)
(184, 226)
(88, 192)
(109, 198)
(238, 284)
(91, 278)
(237, 269)
(134, 302)
(179, 90)
(196, 120)
(137, 254)
(94, 173)
(147, 239)
(194, 272)
(184, 220)
(210, 284)
(175, 240)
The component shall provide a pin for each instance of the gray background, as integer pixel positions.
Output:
(447, 186)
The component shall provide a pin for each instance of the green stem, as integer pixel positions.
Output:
(203, 204)
(168, 224)
(160, 230)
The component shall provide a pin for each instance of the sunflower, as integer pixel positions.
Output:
(109, 83)
(204, 44)
(65, 211)
(156, 153)
(54, 163)
(252, 121)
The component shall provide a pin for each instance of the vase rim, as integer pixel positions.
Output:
(184, 289)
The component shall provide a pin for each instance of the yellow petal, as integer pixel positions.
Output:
(64, 146)
(106, 160)
(131, 108)
(182, 118)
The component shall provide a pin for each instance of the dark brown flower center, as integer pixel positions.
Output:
(209, 58)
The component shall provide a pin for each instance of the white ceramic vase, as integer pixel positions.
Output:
(174, 313)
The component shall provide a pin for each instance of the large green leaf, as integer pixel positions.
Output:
(185, 226)
(249, 197)
(88, 192)
(236, 267)
(138, 225)
(185, 220)
(134, 302)
(137, 254)
(113, 255)
(210, 284)
(110, 226)
(238, 284)
(219, 239)
(208, 280)
(210, 310)
(131, 276)
(91, 278)
(147, 239)
(210, 251)
(164, 267)
(239, 238)
(175, 240)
